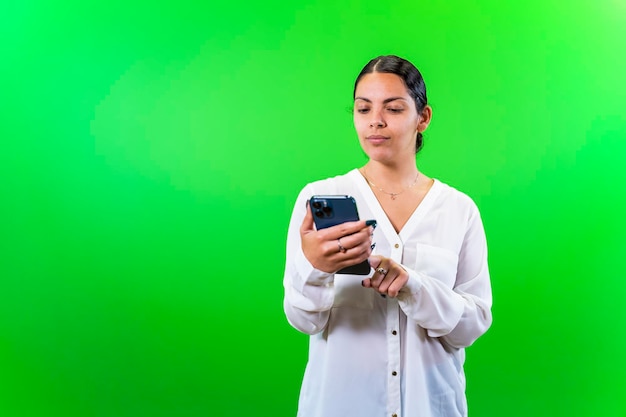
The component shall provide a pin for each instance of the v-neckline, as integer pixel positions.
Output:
(381, 217)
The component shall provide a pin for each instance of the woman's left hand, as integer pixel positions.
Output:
(389, 276)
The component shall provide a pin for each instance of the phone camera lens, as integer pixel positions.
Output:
(317, 204)
(319, 213)
(327, 210)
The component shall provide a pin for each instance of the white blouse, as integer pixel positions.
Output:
(371, 355)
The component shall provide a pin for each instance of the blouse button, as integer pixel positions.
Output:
(393, 332)
(396, 246)
(394, 373)
(394, 415)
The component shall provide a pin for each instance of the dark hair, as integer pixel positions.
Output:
(411, 77)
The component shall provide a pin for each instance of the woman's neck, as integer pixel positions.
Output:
(391, 177)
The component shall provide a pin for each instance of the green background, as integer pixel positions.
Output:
(152, 152)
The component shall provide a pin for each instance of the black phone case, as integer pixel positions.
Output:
(330, 210)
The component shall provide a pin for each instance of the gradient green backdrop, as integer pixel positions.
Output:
(152, 151)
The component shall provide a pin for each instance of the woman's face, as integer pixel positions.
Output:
(385, 118)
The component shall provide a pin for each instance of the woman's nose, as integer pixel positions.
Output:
(377, 121)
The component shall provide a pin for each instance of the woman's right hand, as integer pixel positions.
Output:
(336, 247)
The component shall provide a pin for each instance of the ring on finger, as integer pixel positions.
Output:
(382, 271)
(341, 248)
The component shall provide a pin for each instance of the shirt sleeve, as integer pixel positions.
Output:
(461, 314)
(309, 292)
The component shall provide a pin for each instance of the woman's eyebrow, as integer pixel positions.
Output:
(385, 101)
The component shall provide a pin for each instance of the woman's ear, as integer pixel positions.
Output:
(425, 118)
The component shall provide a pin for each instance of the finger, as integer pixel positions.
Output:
(360, 242)
(400, 282)
(359, 253)
(395, 280)
(375, 260)
(307, 222)
(387, 281)
(380, 272)
(344, 229)
(394, 289)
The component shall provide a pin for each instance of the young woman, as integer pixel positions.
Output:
(392, 343)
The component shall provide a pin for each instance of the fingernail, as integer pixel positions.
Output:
(371, 223)
(363, 283)
(373, 245)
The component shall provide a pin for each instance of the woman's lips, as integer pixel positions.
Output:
(375, 139)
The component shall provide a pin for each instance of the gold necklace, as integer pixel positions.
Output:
(393, 195)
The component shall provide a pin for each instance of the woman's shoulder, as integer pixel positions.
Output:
(453, 195)
(333, 185)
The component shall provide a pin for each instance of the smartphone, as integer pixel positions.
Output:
(331, 210)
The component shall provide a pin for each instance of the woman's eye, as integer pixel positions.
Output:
(395, 110)
(362, 111)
